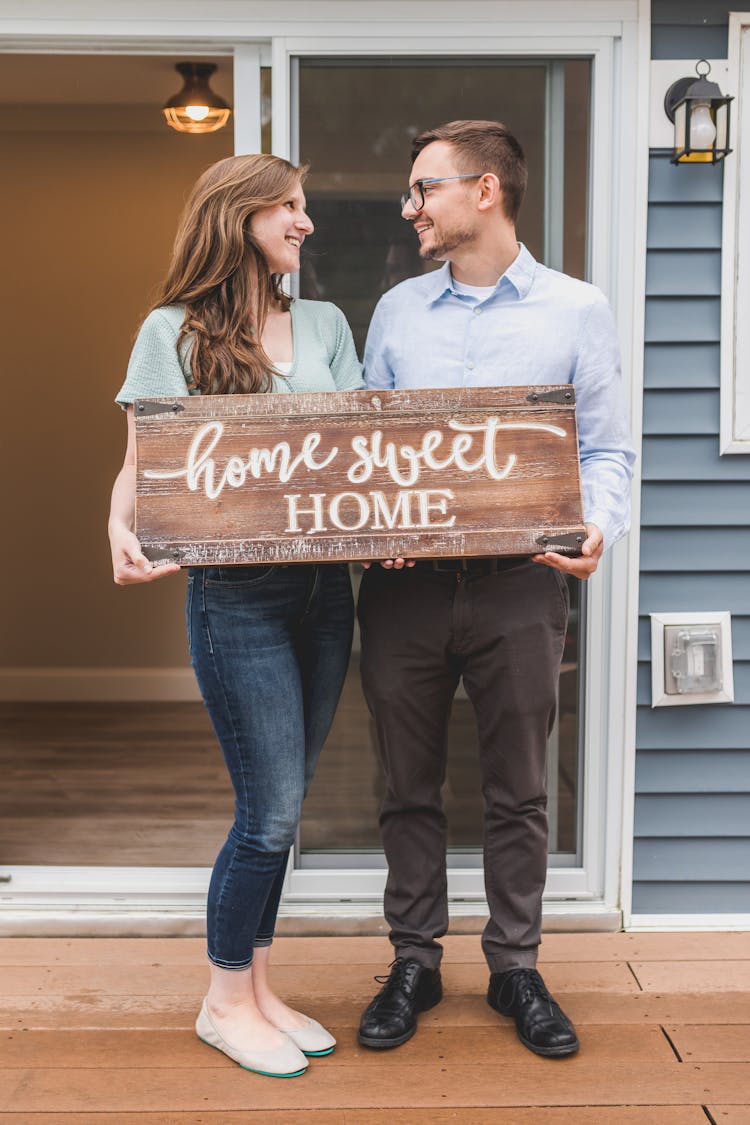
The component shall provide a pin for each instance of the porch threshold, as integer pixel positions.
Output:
(351, 919)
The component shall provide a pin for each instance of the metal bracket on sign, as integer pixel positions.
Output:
(562, 544)
(565, 395)
(161, 554)
(146, 407)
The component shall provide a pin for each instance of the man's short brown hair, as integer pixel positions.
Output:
(484, 146)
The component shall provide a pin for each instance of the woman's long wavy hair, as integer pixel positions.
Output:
(219, 272)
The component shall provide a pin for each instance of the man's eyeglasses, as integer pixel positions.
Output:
(415, 194)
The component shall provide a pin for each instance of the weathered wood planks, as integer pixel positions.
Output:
(256, 479)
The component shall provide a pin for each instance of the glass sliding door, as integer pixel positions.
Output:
(355, 122)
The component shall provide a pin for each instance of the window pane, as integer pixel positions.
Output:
(356, 122)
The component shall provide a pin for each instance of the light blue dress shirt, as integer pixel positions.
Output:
(536, 326)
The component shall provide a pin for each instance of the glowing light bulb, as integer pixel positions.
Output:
(702, 128)
(201, 112)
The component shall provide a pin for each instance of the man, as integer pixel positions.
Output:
(490, 316)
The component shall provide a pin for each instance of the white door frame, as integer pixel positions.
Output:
(596, 882)
(615, 35)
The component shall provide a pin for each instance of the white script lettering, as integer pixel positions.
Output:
(279, 460)
(404, 462)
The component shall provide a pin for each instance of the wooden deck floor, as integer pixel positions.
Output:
(99, 1032)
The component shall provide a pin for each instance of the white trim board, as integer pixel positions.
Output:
(127, 18)
(735, 243)
(118, 923)
(674, 923)
(98, 685)
(172, 901)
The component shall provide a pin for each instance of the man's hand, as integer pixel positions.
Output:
(584, 566)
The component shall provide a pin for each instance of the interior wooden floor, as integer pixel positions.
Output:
(99, 1032)
(144, 784)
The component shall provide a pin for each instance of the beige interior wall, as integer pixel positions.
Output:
(88, 202)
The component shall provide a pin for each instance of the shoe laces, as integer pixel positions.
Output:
(526, 985)
(396, 974)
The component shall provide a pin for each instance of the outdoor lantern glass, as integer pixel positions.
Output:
(196, 108)
(700, 113)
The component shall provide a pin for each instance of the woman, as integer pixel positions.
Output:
(269, 644)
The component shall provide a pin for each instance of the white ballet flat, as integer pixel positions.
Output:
(313, 1039)
(286, 1061)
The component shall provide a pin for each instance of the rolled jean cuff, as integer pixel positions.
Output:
(261, 941)
(504, 962)
(236, 966)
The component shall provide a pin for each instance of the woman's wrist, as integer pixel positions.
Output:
(118, 526)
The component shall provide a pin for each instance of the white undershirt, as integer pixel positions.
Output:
(478, 292)
(284, 368)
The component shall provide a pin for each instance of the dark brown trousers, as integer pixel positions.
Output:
(504, 633)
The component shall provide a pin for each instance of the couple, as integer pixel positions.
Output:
(270, 645)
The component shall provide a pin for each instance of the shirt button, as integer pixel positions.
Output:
(469, 366)
(477, 310)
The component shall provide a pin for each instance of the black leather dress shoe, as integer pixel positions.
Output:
(541, 1024)
(391, 1018)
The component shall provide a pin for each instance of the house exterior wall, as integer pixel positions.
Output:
(692, 782)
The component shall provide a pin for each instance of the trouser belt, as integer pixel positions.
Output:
(471, 566)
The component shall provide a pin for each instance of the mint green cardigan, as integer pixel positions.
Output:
(324, 355)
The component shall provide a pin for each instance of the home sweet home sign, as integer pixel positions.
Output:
(281, 478)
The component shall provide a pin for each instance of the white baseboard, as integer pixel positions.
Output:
(97, 685)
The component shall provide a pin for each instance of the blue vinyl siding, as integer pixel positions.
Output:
(692, 802)
(689, 29)
(681, 412)
(681, 365)
(674, 271)
(697, 225)
(674, 897)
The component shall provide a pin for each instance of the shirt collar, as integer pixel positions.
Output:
(520, 274)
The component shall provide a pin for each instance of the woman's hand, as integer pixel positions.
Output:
(129, 564)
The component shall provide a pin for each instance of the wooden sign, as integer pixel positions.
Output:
(277, 478)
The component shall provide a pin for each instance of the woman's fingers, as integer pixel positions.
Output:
(129, 572)
(130, 565)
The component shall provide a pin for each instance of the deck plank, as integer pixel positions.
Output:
(555, 1115)
(713, 1043)
(692, 976)
(182, 1049)
(369, 950)
(336, 981)
(48, 1013)
(528, 1081)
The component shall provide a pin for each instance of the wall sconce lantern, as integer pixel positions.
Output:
(700, 114)
(196, 108)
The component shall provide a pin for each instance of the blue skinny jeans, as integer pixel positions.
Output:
(270, 648)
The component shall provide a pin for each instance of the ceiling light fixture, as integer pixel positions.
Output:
(196, 108)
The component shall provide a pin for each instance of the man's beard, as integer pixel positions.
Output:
(445, 242)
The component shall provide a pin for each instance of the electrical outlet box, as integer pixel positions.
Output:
(691, 659)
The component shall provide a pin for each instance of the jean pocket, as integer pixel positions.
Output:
(233, 576)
